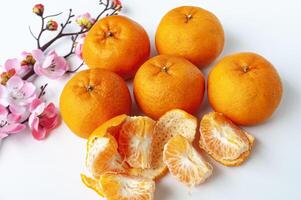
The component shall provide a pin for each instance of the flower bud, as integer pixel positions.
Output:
(38, 9)
(117, 5)
(85, 21)
(52, 25)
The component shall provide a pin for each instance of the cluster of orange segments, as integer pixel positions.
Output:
(126, 154)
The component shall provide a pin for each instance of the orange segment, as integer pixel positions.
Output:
(122, 187)
(92, 184)
(135, 141)
(222, 139)
(151, 173)
(184, 162)
(170, 124)
(102, 156)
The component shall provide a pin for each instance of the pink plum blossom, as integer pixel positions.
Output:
(9, 123)
(17, 92)
(79, 46)
(85, 21)
(19, 66)
(50, 65)
(42, 118)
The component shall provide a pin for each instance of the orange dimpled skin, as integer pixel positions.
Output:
(245, 87)
(118, 44)
(92, 97)
(191, 32)
(168, 82)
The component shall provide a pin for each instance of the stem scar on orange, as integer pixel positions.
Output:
(92, 97)
(118, 44)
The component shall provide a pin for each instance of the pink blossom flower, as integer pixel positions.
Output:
(19, 66)
(9, 123)
(85, 21)
(17, 92)
(79, 46)
(50, 65)
(42, 118)
(117, 4)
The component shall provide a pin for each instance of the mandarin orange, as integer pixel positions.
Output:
(245, 87)
(168, 82)
(92, 97)
(191, 32)
(118, 44)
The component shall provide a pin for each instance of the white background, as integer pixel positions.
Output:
(50, 169)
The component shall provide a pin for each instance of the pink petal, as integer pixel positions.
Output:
(14, 83)
(37, 106)
(39, 133)
(50, 111)
(3, 112)
(28, 89)
(12, 64)
(50, 123)
(4, 96)
(13, 118)
(13, 128)
(22, 111)
(38, 69)
(48, 61)
(24, 54)
(3, 135)
(38, 55)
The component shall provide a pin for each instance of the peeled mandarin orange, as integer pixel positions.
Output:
(184, 162)
(170, 124)
(92, 97)
(103, 156)
(118, 44)
(223, 140)
(167, 82)
(124, 128)
(135, 140)
(245, 87)
(123, 187)
(191, 32)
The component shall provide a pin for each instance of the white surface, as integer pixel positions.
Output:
(50, 169)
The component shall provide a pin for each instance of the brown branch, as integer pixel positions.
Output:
(76, 69)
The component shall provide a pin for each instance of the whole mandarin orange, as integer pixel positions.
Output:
(191, 32)
(168, 82)
(92, 97)
(118, 44)
(245, 87)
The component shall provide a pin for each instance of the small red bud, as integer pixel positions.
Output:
(52, 25)
(38, 9)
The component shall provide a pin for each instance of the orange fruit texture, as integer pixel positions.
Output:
(224, 141)
(245, 87)
(91, 97)
(191, 32)
(123, 187)
(118, 44)
(184, 162)
(166, 82)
